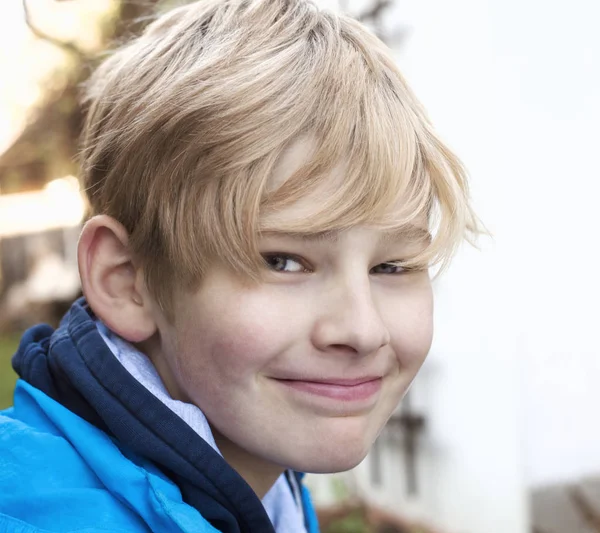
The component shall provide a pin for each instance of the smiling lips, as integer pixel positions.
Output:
(337, 389)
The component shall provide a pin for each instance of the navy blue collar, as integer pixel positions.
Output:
(74, 366)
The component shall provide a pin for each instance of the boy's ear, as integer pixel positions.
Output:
(113, 287)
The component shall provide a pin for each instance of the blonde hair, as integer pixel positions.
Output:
(187, 122)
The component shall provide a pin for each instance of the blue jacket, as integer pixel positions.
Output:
(87, 448)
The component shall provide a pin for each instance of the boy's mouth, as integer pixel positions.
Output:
(347, 390)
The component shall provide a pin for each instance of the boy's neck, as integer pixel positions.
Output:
(260, 474)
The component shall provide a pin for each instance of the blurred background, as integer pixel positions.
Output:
(499, 432)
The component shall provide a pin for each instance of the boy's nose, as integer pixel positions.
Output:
(350, 321)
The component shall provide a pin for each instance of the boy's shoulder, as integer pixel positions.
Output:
(60, 473)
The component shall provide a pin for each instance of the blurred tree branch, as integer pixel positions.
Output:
(373, 15)
(375, 11)
(376, 519)
(47, 147)
(67, 46)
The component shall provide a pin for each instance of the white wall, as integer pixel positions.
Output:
(548, 69)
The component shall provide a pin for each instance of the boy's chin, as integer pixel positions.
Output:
(328, 459)
(336, 445)
(332, 466)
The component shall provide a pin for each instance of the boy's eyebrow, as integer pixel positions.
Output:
(408, 232)
(330, 236)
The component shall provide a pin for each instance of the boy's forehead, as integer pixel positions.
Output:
(294, 157)
(311, 205)
(292, 220)
(299, 153)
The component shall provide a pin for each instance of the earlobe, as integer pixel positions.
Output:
(111, 282)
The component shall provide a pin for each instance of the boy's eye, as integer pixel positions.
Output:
(284, 263)
(388, 268)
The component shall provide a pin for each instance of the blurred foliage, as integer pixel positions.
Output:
(354, 522)
(356, 515)
(8, 346)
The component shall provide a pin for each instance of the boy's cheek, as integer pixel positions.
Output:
(241, 343)
(411, 334)
(415, 349)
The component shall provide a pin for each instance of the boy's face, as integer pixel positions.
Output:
(304, 369)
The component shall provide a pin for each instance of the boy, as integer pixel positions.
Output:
(257, 299)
